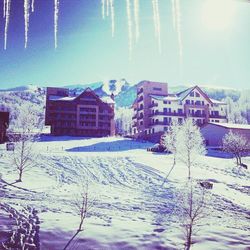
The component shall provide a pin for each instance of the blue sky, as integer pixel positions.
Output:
(215, 40)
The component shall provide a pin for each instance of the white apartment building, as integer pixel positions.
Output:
(152, 120)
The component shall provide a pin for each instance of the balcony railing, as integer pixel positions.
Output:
(153, 105)
(167, 113)
(139, 91)
(159, 123)
(140, 99)
(218, 116)
(196, 115)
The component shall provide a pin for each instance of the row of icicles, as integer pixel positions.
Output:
(132, 10)
(29, 7)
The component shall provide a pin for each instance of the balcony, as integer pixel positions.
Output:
(218, 116)
(167, 114)
(159, 123)
(140, 91)
(196, 115)
(153, 105)
(140, 99)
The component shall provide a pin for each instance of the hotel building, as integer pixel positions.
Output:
(155, 109)
(84, 115)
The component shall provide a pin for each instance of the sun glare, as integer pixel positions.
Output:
(218, 14)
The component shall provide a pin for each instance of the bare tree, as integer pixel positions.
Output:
(236, 144)
(189, 144)
(82, 206)
(23, 132)
(192, 204)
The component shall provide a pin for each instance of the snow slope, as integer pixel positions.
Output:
(131, 209)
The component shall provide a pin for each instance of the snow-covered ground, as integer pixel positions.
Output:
(131, 209)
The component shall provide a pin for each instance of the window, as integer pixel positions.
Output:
(179, 111)
(197, 94)
(192, 94)
(157, 89)
(180, 120)
(187, 101)
(165, 110)
(165, 129)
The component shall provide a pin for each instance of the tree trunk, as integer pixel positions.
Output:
(189, 238)
(20, 175)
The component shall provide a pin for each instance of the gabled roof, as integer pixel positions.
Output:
(183, 94)
(105, 99)
(230, 125)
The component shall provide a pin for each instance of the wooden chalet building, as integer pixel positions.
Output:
(84, 115)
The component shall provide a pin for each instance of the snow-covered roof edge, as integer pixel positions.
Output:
(230, 125)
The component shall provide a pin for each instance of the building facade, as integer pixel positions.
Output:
(84, 115)
(213, 133)
(4, 123)
(155, 109)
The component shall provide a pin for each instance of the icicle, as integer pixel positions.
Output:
(157, 23)
(174, 13)
(26, 21)
(4, 8)
(107, 7)
(130, 34)
(33, 6)
(154, 17)
(103, 9)
(136, 18)
(112, 11)
(56, 13)
(178, 28)
(7, 20)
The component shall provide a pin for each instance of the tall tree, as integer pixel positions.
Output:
(189, 144)
(23, 132)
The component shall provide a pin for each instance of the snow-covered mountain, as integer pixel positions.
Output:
(125, 93)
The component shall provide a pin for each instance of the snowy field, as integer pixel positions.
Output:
(130, 207)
